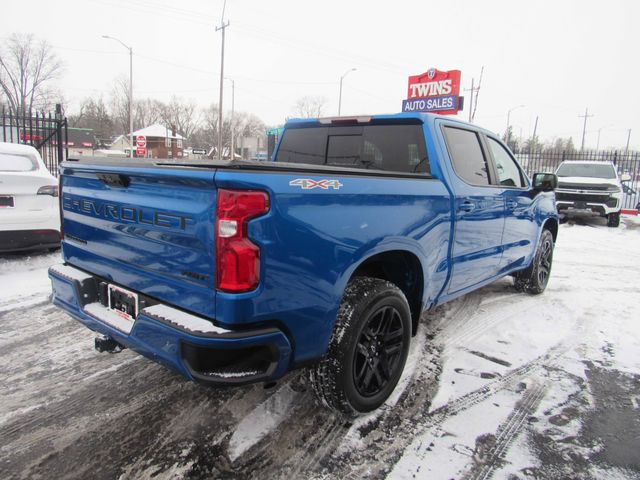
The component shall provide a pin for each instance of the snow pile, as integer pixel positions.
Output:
(24, 280)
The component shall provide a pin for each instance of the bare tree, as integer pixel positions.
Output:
(120, 104)
(206, 134)
(27, 71)
(310, 107)
(95, 115)
(147, 112)
(181, 114)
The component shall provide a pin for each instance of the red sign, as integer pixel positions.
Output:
(141, 141)
(141, 152)
(433, 90)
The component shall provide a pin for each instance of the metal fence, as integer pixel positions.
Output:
(46, 132)
(626, 163)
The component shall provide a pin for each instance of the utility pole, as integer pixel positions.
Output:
(233, 128)
(626, 149)
(533, 138)
(471, 102)
(584, 127)
(506, 133)
(340, 96)
(599, 131)
(130, 89)
(222, 27)
(475, 104)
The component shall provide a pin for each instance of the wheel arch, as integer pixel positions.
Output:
(402, 268)
(551, 224)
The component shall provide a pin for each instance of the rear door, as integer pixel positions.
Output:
(148, 229)
(478, 211)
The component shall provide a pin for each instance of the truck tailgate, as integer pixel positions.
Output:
(145, 228)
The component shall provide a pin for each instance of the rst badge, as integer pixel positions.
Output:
(309, 184)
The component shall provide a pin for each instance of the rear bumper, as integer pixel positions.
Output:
(20, 240)
(190, 345)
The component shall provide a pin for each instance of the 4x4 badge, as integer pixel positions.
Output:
(309, 184)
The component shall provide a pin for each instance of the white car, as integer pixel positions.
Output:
(590, 186)
(29, 203)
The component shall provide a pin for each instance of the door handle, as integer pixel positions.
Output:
(467, 206)
(512, 204)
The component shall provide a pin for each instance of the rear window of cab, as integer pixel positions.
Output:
(391, 148)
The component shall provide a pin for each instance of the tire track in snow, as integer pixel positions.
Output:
(508, 432)
(402, 427)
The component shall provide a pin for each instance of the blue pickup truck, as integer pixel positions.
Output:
(325, 258)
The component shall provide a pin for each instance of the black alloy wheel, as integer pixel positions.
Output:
(378, 351)
(544, 261)
(367, 350)
(534, 279)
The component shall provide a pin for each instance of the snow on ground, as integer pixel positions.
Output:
(498, 384)
(25, 277)
(589, 314)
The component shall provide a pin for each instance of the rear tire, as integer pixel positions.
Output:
(368, 349)
(535, 278)
(613, 220)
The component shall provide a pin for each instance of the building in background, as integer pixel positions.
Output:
(160, 141)
(81, 141)
(250, 147)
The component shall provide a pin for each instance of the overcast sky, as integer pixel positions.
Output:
(554, 57)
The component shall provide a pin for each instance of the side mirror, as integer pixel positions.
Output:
(625, 177)
(545, 182)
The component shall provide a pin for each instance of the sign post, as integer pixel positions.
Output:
(434, 91)
(141, 146)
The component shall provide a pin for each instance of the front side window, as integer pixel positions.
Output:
(508, 172)
(466, 155)
(392, 148)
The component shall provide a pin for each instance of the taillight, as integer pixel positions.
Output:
(237, 258)
(48, 190)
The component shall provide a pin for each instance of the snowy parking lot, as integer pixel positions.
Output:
(498, 385)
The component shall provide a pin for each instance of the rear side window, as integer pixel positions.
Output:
(466, 155)
(392, 148)
(10, 162)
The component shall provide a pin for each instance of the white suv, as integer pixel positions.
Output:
(590, 187)
(29, 208)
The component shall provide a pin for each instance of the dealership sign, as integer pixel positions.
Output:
(434, 91)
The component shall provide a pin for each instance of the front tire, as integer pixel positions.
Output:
(368, 349)
(535, 278)
(613, 220)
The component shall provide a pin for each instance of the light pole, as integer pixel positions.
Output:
(130, 90)
(506, 133)
(340, 96)
(233, 101)
(599, 130)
